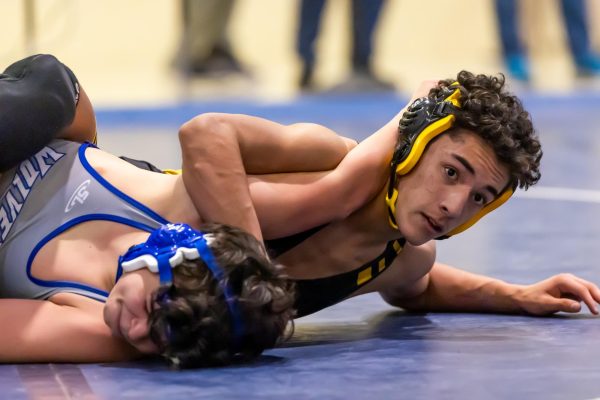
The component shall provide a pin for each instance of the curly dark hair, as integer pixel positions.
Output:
(190, 320)
(500, 119)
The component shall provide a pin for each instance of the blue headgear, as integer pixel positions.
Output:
(166, 248)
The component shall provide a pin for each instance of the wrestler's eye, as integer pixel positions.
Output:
(479, 199)
(451, 172)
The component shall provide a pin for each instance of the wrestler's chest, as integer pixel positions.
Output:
(86, 253)
(320, 257)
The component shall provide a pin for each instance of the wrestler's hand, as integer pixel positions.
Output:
(563, 292)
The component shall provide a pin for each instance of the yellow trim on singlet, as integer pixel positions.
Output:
(172, 171)
(378, 265)
(364, 276)
(381, 265)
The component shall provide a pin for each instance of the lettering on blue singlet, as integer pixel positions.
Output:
(28, 172)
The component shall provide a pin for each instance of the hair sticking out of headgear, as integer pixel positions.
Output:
(166, 248)
(424, 120)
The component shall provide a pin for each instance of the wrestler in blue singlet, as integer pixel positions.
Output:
(42, 197)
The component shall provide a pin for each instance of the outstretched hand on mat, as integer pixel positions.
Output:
(563, 292)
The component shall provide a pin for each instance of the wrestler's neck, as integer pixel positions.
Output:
(373, 219)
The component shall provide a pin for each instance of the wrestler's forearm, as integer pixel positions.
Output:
(41, 331)
(290, 203)
(214, 176)
(453, 290)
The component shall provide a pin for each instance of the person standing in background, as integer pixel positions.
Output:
(574, 12)
(364, 18)
(204, 48)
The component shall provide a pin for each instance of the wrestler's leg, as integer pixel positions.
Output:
(38, 101)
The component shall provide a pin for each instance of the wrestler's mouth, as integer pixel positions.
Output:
(433, 224)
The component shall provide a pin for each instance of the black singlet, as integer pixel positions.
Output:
(316, 294)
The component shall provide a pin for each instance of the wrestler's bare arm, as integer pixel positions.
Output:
(41, 331)
(219, 149)
(293, 202)
(446, 288)
(264, 146)
(408, 276)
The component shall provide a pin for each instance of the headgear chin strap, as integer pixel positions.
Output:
(424, 120)
(166, 248)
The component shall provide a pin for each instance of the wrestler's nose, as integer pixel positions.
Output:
(453, 204)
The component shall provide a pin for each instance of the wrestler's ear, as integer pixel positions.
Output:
(139, 328)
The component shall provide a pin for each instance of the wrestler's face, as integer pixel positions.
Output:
(457, 175)
(128, 308)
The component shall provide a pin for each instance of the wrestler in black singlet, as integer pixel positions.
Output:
(313, 295)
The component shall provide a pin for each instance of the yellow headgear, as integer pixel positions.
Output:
(424, 120)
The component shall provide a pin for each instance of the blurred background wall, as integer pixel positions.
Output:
(123, 51)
